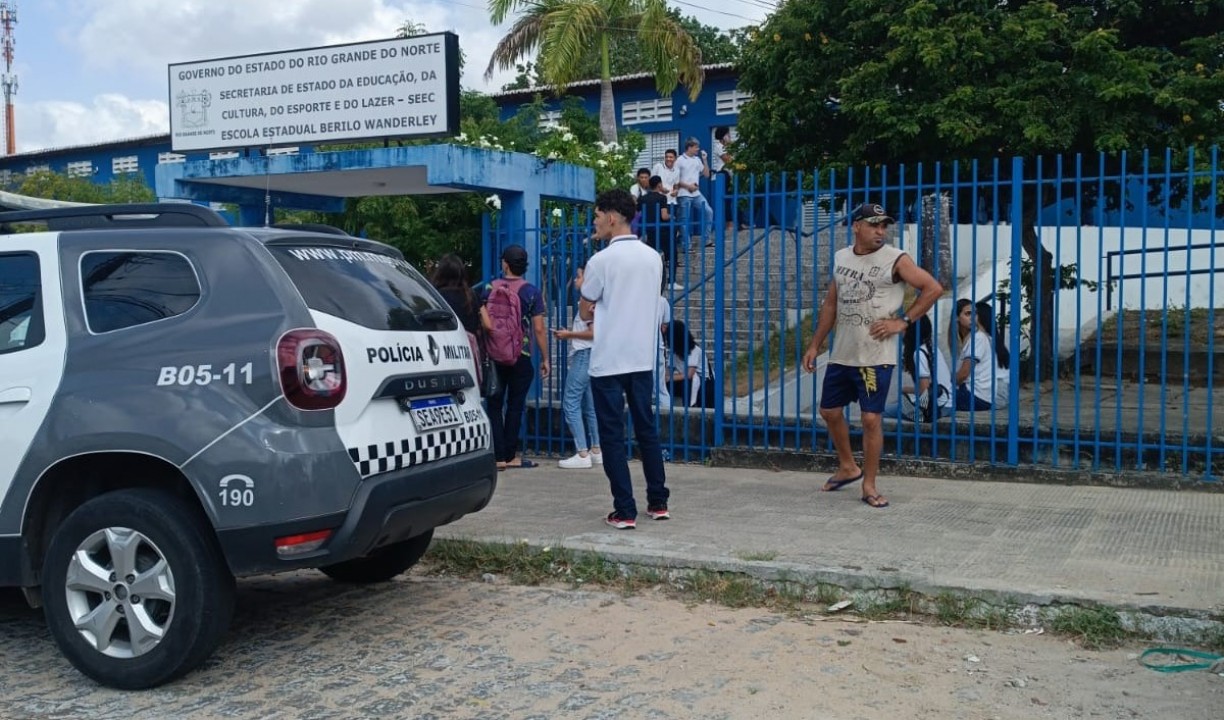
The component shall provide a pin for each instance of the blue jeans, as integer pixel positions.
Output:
(611, 393)
(578, 404)
(685, 207)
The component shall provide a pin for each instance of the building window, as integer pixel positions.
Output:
(273, 152)
(170, 158)
(6, 177)
(223, 155)
(645, 111)
(82, 168)
(729, 102)
(37, 169)
(656, 145)
(126, 289)
(126, 164)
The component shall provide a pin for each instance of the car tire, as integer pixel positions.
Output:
(382, 564)
(109, 551)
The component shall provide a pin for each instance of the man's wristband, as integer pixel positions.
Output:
(902, 315)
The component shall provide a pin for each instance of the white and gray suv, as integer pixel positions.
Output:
(184, 402)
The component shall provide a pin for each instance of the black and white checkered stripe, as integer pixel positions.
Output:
(409, 452)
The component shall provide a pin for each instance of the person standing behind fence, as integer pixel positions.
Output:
(981, 377)
(620, 289)
(692, 167)
(720, 164)
(864, 304)
(577, 404)
(506, 408)
(669, 176)
(655, 228)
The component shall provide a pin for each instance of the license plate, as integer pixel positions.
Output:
(434, 413)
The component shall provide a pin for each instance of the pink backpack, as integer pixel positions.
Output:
(506, 311)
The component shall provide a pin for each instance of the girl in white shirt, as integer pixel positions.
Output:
(982, 378)
(932, 378)
(696, 383)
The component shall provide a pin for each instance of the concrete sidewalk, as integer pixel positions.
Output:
(1155, 550)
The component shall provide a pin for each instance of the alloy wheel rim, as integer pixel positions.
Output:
(120, 592)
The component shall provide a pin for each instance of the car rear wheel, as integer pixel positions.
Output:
(135, 590)
(382, 564)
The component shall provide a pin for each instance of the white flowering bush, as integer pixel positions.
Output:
(613, 163)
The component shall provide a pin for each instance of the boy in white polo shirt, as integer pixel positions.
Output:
(621, 288)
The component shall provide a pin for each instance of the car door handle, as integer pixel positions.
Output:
(15, 395)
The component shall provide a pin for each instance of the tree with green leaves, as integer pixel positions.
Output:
(130, 188)
(563, 32)
(844, 83)
(626, 56)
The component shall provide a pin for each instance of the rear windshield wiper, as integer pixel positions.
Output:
(429, 317)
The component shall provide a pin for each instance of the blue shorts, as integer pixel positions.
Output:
(868, 386)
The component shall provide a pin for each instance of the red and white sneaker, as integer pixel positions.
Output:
(620, 523)
(658, 512)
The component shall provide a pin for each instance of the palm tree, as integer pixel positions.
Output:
(564, 31)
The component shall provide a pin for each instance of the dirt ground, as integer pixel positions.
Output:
(304, 647)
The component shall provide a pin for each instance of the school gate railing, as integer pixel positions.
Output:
(1115, 334)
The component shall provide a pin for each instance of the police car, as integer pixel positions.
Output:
(185, 402)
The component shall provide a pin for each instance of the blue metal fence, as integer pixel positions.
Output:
(1118, 257)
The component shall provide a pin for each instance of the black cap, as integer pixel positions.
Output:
(514, 253)
(872, 213)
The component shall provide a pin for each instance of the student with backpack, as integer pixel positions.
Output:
(514, 311)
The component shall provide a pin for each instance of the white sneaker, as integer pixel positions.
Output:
(676, 286)
(577, 462)
(597, 458)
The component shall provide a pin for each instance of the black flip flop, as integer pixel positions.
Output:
(832, 485)
(874, 501)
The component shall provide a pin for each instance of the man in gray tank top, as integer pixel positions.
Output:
(864, 305)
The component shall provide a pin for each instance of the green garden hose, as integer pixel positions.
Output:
(1183, 660)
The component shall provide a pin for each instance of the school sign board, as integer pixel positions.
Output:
(405, 87)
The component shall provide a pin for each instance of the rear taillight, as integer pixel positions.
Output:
(311, 369)
(291, 545)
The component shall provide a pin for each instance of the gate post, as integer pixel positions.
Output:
(720, 304)
(1014, 300)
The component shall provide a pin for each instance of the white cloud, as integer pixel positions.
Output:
(186, 30)
(130, 43)
(109, 117)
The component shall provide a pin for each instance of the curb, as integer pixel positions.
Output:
(1032, 474)
(1024, 610)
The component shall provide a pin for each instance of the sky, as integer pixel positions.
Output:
(96, 70)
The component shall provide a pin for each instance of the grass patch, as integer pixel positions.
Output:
(826, 593)
(763, 556)
(1180, 322)
(1214, 641)
(1094, 627)
(969, 612)
(890, 604)
(756, 368)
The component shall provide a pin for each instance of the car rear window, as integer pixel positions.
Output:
(370, 289)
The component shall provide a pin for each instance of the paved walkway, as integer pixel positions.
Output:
(1155, 549)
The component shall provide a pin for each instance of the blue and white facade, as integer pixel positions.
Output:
(665, 121)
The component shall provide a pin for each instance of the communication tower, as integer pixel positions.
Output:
(8, 18)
